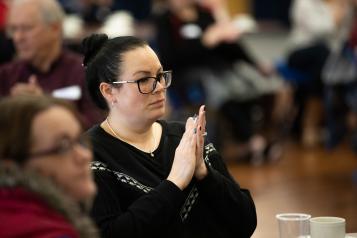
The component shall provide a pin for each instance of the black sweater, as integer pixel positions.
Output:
(135, 200)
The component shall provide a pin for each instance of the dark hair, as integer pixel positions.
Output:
(16, 118)
(102, 60)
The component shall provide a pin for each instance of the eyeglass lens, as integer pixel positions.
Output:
(65, 146)
(148, 85)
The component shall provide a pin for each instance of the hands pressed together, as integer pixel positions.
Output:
(218, 33)
(30, 88)
(188, 161)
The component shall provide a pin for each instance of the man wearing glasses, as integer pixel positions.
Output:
(43, 66)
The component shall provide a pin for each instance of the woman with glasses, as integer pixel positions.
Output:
(45, 177)
(155, 178)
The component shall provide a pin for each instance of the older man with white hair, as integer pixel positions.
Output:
(42, 65)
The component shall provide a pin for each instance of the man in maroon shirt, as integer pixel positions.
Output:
(43, 66)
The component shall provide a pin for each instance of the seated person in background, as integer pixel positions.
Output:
(45, 179)
(43, 66)
(190, 39)
(315, 24)
(200, 43)
(341, 90)
(155, 178)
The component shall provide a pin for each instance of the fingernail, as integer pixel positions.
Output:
(199, 128)
(204, 107)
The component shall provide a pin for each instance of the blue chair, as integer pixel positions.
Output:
(291, 75)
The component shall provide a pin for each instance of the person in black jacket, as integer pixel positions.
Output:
(155, 178)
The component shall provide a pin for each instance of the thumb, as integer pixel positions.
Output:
(191, 122)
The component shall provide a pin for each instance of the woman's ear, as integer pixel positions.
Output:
(107, 91)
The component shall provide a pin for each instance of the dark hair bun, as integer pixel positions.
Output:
(91, 46)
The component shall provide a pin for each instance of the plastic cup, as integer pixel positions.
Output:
(294, 225)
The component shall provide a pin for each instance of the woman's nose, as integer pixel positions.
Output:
(82, 153)
(159, 87)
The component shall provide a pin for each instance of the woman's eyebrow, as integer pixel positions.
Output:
(141, 72)
(146, 71)
(159, 70)
(66, 136)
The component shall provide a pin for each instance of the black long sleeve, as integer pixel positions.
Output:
(134, 198)
(226, 198)
(145, 217)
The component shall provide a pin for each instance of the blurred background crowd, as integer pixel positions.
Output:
(257, 97)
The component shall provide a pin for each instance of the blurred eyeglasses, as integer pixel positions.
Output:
(64, 147)
(147, 85)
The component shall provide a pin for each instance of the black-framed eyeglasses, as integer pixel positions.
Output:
(64, 146)
(147, 85)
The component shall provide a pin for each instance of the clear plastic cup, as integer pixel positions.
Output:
(294, 225)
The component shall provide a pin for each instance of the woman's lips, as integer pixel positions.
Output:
(158, 102)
